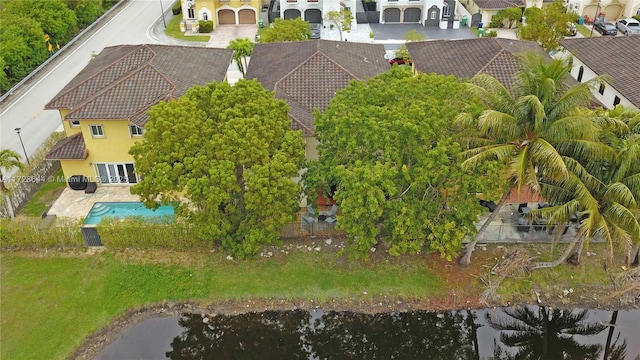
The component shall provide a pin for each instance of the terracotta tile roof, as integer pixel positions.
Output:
(618, 57)
(526, 195)
(498, 4)
(307, 74)
(124, 81)
(69, 148)
(469, 57)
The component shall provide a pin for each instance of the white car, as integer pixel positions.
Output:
(628, 26)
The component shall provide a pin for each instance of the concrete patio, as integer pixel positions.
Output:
(76, 204)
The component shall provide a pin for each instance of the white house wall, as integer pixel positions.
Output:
(323, 5)
(610, 93)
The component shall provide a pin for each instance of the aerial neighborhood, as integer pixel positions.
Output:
(367, 156)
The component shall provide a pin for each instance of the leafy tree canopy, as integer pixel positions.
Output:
(286, 30)
(547, 26)
(242, 49)
(389, 147)
(341, 19)
(232, 159)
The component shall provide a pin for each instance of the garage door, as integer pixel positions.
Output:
(612, 12)
(313, 16)
(291, 14)
(590, 10)
(226, 17)
(412, 15)
(391, 15)
(247, 16)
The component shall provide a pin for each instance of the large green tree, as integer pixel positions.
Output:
(388, 148)
(55, 18)
(286, 30)
(540, 129)
(340, 19)
(230, 152)
(547, 26)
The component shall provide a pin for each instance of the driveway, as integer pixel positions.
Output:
(397, 31)
(221, 36)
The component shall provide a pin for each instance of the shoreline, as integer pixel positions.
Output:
(100, 339)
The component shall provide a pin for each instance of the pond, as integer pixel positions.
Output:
(533, 332)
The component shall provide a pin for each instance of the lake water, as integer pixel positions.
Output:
(533, 332)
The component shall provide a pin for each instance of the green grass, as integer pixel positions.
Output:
(173, 30)
(45, 196)
(585, 31)
(51, 303)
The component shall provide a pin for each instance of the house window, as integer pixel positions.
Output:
(191, 13)
(205, 16)
(433, 15)
(616, 101)
(75, 123)
(446, 11)
(116, 173)
(638, 12)
(601, 89)
(580, 73)
(135, 130)
(96, 130)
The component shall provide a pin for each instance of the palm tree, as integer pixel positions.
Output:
(535, 127)
(9, 160)
(242, 49)
(542, 333)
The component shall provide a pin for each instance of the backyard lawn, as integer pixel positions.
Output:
(52, 301)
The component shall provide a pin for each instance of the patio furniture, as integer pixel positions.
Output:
(91, 187)
(523, 225)
(331, 212)
(311, 211)
(77, 182)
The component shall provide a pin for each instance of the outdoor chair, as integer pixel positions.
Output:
(91, 187)
(311, 211)
(331, 212)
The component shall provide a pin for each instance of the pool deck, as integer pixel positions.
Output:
(76, 204)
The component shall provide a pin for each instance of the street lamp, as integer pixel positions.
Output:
(594, 18)
(21, 143)
(162, 9)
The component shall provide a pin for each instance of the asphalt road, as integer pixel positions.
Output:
(131, 24)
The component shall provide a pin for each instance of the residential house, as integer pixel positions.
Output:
(483, 10)
(426, 12)
(221, 12)
(307, 74)
(313, 11)
(103, 109)
(616, 57)
(469, 57)
(612, 9)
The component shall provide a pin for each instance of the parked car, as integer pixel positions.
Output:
(315, 30)
(572, 29)
(606, 28)
(399, 61)
(628, 26)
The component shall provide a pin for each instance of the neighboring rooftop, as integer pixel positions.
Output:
(618, 57)
(470, 57)
(307, 74)
(498, 4)
(122, 82)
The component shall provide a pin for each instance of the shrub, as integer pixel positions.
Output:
(496, 20)
(177, 8)
(492, 33)
(139, 233)
(637, 17)
(205, 26)
(38, 233)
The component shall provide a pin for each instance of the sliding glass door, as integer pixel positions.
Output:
(113, 173)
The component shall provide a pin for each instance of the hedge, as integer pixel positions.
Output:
(177, 8)
(39, 233)
(139, 233)
(205, 26)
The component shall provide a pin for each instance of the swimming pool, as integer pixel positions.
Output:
(126, 209)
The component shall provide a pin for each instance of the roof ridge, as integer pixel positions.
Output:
(502, 50)
(292, 99)
(110, 66)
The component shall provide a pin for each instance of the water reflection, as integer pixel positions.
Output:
(511, 333)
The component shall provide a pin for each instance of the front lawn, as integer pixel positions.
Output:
(173, 30)
(48, 193)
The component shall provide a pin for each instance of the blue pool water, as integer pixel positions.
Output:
(125, 209)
